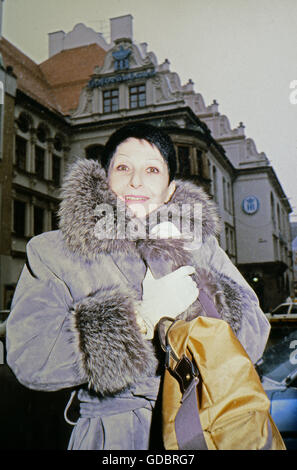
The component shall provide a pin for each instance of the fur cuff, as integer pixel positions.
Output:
(116, 354)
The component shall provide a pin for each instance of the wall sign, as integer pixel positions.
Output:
(250, 205)
(122, 77)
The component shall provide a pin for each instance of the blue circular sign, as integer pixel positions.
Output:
(250, 205)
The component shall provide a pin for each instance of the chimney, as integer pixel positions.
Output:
(121, 27)
(55, 42)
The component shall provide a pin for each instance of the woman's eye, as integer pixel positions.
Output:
(153, 169)
(122, 167)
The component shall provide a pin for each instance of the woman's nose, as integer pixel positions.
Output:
(135, 181)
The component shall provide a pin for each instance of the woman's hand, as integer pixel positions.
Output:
(168, 296)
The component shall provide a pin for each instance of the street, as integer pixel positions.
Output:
(31, 420)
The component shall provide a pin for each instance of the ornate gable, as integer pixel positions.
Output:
(128, 64)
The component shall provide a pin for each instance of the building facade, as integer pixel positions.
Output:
(294, 251)
(68, 106)
(34, 146)
(8, 93)
(261, 209)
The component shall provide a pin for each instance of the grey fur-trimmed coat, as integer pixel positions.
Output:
(73, 314)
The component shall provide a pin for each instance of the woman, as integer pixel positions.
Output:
(91, 293)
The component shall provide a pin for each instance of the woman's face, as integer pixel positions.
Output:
(138, 174)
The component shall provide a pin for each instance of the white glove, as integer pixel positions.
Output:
(166, 297)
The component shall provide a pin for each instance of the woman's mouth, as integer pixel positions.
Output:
(130, 198)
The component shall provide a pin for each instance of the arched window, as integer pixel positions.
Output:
(58, 143)
(199, 158)
(278, 217)
(272, 209)
(57, 161)
(214, 183)
(183, 155)
(41, 134)
(24, 122)
(21, 152)
(224, 193)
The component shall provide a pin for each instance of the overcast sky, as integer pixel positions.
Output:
(243, 53)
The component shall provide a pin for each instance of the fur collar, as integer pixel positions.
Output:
(86, 188)
(87, 201)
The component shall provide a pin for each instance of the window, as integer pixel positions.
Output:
(23, 122)
(58, 144)
(230, 199)
(19, 218)
(279, 254)
(278, 218)
(199, 162)
(227, 196)
(275, 247)
(137, 96)
(41, 133)
(272, 210)
(281, 309)
(183, 154)
(283, 221)
(110, 100)
(38, 220)
(56, 170)
(294, 310)
(214, 183)
(209, 169)
(20, 152)
(224, 194)
(39, 161)
(227, 239)
(94, 152)
(54, 220)
(230, 240)
(8, 294)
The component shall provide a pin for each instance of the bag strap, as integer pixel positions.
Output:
(208, 304)
(188, 429)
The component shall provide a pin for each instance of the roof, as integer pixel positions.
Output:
(30, 78)
(57, 82)
(69, 71)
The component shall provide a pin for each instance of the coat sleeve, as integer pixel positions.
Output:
(254, 328)
(54, 342)
(42, 342)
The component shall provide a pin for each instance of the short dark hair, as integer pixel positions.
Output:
(153, 135)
